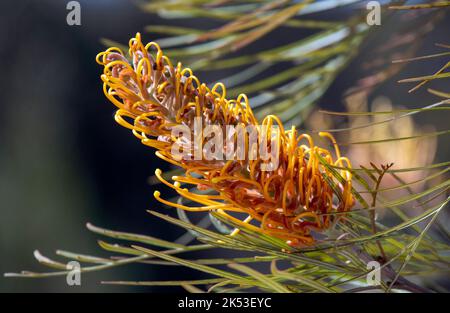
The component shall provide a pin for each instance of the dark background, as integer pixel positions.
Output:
(63, 159)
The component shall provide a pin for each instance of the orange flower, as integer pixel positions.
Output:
(287, 202)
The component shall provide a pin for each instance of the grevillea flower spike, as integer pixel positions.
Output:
(286, 202)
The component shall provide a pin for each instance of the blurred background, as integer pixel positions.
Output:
(65, 162)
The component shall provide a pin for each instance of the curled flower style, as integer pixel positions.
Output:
(287, 202)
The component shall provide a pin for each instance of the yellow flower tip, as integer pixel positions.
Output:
(328, 135)
(158, 172)
(177, 184)
(156, 194)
